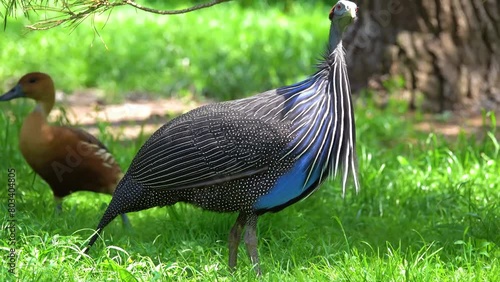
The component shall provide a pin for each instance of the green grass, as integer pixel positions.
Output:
(428, 211)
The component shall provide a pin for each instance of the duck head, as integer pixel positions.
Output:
(37, 86)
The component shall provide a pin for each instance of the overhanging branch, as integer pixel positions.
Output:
(174, 12)
(75, 12)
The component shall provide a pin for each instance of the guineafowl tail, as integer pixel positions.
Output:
(129, 196)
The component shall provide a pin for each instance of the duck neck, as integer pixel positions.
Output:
(44, 107)
(36, 134)
(35, 126)
(36, 122)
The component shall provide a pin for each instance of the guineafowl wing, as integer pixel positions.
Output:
(209, 145)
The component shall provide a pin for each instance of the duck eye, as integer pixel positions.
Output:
(32, 80)
(339, 6)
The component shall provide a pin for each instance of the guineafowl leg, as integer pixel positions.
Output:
(58, 201)
(125, 221)
(251, 241)
(234, 240)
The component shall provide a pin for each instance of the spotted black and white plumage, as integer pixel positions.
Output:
(251, 155)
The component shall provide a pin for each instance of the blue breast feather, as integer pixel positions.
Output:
(311, 143)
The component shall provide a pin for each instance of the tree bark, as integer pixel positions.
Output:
(449, 50)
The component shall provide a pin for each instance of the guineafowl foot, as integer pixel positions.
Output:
(251, 242)
(234, 240)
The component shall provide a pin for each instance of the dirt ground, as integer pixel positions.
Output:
(451, 127)
(129, 118)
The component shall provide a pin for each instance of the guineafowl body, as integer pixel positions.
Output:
(252, 155)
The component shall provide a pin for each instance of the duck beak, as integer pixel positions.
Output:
(14, 93)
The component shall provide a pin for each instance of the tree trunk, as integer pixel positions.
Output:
(449, 50)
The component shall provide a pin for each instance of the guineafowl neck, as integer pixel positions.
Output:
(335, 39)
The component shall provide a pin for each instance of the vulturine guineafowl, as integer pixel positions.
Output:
(252, 155)
(68, 159)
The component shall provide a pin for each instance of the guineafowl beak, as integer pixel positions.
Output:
(14, 93)
(352, 10)
(353, 13)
